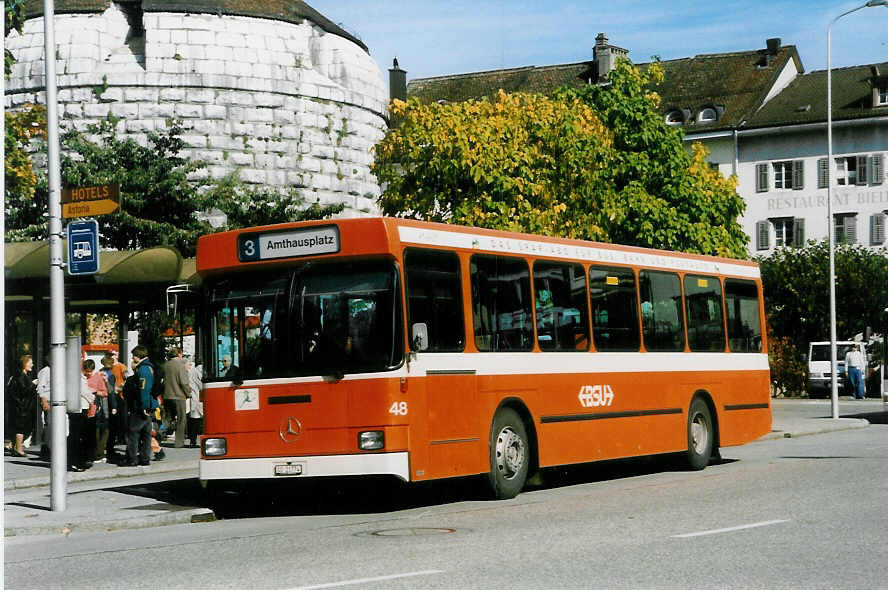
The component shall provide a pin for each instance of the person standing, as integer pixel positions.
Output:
(43, 390)
(176, 389)
(82, 438)
(98, 382)
(22, 393)
(140, 406)
(116, 433)
(855, 365)
(195, 412)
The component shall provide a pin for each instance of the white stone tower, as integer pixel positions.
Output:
(269, 87)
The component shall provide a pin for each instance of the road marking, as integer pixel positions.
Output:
(729, 529)
(368, 580)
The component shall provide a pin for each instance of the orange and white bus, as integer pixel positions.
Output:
(418, 350)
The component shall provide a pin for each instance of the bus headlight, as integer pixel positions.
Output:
(215, 447)
(371, 440)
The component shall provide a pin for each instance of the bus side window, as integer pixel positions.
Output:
(614, 309)
(663, 326)
(434, 297)
(742, 312)
(703, 298)
(560, 306)
(501, 305)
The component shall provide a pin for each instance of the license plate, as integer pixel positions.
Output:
(288, 469)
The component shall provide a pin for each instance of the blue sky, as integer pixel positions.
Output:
(434, 38)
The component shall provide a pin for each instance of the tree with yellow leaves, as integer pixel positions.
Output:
(594, 163)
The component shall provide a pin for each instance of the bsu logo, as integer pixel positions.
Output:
(593, 396)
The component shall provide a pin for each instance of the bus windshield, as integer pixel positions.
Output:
(324, 319)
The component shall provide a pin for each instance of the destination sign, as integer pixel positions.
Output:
(295, 243)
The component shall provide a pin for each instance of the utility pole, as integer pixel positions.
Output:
(58, 411)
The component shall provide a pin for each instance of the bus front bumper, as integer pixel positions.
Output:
(395, 464)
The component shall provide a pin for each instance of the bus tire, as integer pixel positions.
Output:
(701, 435)
(509, 455)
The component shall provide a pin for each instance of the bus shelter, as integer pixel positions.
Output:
(128, 281)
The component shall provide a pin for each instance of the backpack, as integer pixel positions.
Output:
(132, 393)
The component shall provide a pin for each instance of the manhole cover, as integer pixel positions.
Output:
(411, 532)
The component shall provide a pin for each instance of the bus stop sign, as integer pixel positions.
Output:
(83, 247)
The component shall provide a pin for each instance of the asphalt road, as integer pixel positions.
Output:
(805, 512)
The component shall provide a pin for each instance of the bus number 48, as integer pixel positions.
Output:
(398, 409)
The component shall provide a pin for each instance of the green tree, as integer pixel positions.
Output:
(519, 162)
(796, 286)
(594, 163)
(25, 204)
(14, 20)
(671, 199)
(160, 200)
(248, 206)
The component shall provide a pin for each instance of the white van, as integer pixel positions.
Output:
(819, 370)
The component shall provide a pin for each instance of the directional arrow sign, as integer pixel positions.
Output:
(83, 247)
(90, 201)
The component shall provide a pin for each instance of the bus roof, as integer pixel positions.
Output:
(282, 243)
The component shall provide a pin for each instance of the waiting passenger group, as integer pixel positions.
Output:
(135, 407)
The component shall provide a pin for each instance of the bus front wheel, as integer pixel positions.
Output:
(509, 455)
(701, 435)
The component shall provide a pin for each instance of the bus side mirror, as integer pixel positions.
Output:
(804, 358)
(419, 337)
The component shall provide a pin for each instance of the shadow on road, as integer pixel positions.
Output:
(373, 495)
(879, 417)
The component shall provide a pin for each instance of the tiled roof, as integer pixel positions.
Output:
(294, 11)
(804, 100)
(734, 83)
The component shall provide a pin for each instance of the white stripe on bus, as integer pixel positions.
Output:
(548, 363)
(455, 239)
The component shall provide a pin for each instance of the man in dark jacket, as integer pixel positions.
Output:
(138, 436)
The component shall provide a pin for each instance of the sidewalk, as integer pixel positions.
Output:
(27, 480)
(27, 496)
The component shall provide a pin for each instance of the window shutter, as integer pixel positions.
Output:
(798, 232)
(861, 170)
(878, 172)
(798, 174)
(877, 229)
(762, 232)
(761, 178)
(822, 173)
(850, 223)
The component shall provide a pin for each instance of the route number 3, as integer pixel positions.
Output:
(398, 409)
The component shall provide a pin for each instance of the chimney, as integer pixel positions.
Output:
(397, 82)
(773, 45)
(605, 55)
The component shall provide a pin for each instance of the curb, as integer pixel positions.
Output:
(845, 424)
(117, 472)
(184, 516)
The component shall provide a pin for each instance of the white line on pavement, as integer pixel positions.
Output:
(729, 529)
(368, 580)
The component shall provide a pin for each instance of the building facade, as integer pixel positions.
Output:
(273, 90)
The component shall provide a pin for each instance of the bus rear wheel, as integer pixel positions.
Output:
(509, 455)
(701, 435)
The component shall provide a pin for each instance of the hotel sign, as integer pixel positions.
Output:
(89, 201)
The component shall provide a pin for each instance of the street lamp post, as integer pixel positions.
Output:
(830, 224)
